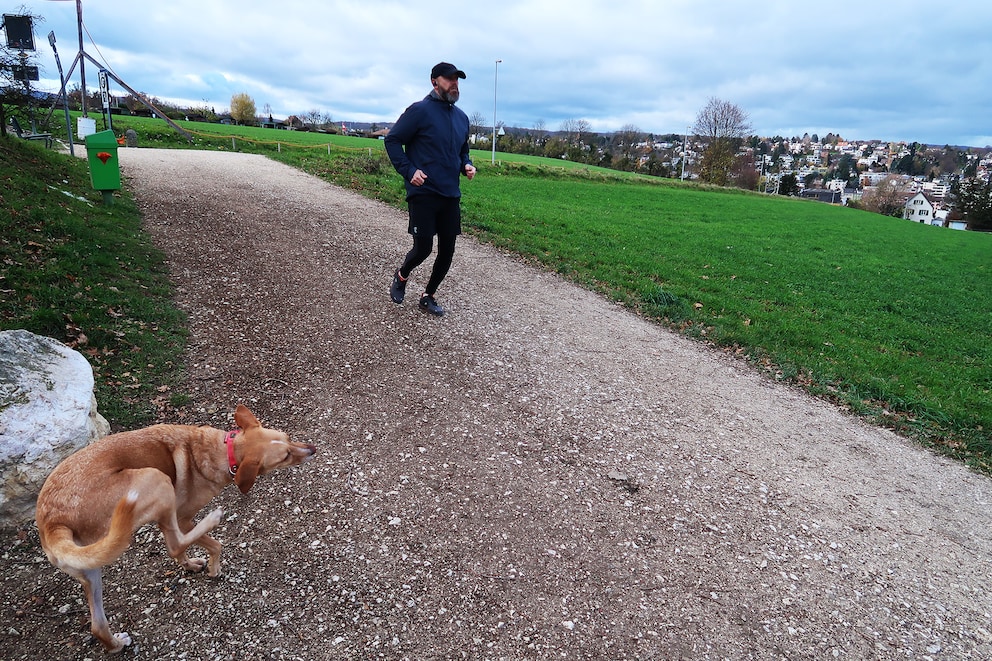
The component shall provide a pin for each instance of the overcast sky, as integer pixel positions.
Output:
(915, 70)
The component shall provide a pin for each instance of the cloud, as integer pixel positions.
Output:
(863, 70)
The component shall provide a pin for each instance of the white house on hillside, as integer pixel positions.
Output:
(919, 209)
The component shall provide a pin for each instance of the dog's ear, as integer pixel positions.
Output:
(244, 418)
(246, 475)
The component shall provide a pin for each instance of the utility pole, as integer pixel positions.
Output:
(82, 64)
(495, 84)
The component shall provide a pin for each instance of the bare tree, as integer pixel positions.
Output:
(624, 145)
(628, 135)
(575, 127)
(628, 138)
(722, 126)
(582, 126)
(312, 118)
(887, 198)
(477, 122)
(721, 120)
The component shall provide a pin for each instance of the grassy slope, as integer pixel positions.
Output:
(86, 274)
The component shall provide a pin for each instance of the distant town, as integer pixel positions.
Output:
(906, 179)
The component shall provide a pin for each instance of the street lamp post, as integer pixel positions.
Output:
(82, 64)
(495, 84)
(685, 149)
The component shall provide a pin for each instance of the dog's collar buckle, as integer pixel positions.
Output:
(231, 461)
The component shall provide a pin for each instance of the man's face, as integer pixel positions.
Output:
(447, 88)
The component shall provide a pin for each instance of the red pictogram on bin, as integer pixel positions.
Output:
(104, 157)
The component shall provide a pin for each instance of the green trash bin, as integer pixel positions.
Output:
(105, 169)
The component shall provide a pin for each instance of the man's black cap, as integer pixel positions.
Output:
(446, 70)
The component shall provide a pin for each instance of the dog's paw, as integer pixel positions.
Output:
(211, 520)
(123, 640)
(194, 564)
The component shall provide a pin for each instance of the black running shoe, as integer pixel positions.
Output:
(397, 290)
(428, 304)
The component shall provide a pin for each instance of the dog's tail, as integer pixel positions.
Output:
(64, 553)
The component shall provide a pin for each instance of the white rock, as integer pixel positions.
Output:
(47, 412)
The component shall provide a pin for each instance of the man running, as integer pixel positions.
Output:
(428, 146)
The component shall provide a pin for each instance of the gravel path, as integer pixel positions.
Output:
(539, 474)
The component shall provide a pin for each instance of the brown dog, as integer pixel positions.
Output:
(93, 501)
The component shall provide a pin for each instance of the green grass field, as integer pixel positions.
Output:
(866, 309)
(88, 275)
(889, 318)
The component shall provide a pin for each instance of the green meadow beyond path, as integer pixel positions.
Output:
(539, 474)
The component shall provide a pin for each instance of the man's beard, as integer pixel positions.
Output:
(451, 96)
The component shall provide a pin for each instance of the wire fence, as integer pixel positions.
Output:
(278, 145)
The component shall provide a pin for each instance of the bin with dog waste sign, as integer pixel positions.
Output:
(105, 169)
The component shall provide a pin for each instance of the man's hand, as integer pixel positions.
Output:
(418, 178)
(470, 172)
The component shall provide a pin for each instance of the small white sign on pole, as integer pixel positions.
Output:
(85, 126)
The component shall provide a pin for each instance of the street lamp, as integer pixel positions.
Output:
(685, 148)
(495, 83)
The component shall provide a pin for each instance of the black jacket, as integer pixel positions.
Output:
(431, 135)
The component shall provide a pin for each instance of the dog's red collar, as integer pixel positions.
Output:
(231, 461)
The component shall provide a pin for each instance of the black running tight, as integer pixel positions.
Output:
(422, 246)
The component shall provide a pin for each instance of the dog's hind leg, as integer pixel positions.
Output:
(92, 582)
(210, 545)
(177, 541)
(158, 503)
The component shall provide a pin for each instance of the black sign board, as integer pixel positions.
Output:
(20, 33)
(24, 72)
